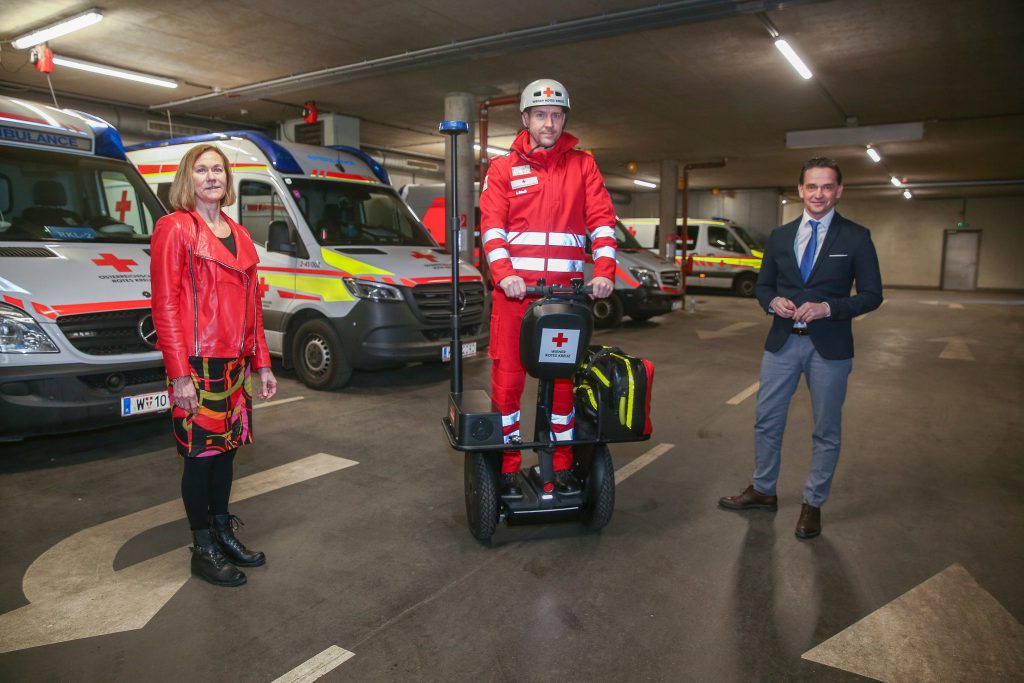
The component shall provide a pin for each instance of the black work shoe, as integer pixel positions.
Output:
(510, 485)
(566, 483)
(210, 564)
(224, 527)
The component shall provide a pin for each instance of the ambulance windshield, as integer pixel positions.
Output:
(53, 197)
(748, 238)
(344, 214)
(625, 237)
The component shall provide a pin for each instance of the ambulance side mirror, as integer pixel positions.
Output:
(280, 240)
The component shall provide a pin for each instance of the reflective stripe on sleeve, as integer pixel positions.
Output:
(497, 254)
(495, 234)
(603, 231)
(604, 252)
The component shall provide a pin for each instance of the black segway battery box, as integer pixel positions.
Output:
(554, 337)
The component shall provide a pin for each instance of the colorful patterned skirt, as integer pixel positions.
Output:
(224, 420)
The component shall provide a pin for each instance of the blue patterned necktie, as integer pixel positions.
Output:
(807, 260)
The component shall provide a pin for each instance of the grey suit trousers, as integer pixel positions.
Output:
(826, 380)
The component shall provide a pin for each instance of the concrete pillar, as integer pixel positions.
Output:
(668, 195)
(460, 106)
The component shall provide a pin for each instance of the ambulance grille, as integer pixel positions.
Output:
(670, 278)
(108, 333)
(433, 303)
(26, 252)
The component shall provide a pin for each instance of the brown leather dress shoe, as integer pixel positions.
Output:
(749, 500)
(809, 524)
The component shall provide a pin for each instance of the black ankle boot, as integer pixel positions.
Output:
(224, 533)
(210, 564)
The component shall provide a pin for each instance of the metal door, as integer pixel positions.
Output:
(960, 259)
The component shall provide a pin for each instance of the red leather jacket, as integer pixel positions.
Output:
(206, 302)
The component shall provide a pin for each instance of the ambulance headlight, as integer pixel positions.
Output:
(374, 291)
(645, 277)
(19, 333)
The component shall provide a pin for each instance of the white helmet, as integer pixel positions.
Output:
(544, 91)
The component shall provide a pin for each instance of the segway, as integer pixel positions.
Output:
(554, 341)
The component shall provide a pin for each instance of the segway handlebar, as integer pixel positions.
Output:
(549, 290)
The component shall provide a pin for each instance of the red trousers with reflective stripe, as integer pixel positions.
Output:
(508, 379)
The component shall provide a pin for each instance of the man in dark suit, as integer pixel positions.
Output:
(809, 268)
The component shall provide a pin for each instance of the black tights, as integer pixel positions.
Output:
(206, 487)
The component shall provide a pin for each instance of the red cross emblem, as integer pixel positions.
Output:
(632, 231)
(121, 265)
(548, 92)
(560, 339)
(428, 256)
(263, 287)
(124, 205)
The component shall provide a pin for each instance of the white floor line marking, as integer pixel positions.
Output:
(644, 460)
(75, 593)
(277, 402)
(744, 395)
(317, 666)
(956, 348)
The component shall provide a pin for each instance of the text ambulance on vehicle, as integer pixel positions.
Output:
(348, 275)
(719, 252)
(77, 343)
(646, 284)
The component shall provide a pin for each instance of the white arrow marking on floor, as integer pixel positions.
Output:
(744, 395)
(317, 666)
(727, 331)
(75, 593)
(278, 402)
(956, 348)
(946, 629)
(644, 460)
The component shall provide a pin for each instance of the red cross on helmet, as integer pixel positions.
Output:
(544, 91)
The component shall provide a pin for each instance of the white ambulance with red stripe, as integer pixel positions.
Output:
(77, 344)
(349, 276)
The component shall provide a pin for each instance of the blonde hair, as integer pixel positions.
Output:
(182, 194)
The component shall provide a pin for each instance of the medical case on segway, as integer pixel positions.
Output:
(612, 393)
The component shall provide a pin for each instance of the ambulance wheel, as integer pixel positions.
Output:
(481, 486)
(599, 488)
(607, 312)
(744, 284)
(318, 356)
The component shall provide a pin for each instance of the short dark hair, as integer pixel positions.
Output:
(822, 162)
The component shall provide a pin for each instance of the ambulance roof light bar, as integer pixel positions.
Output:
(60, 28)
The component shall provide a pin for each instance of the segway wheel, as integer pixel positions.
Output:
(481, 486)
(600, 489)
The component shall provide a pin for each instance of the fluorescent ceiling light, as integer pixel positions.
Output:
(644, 183)
(63, 27)
(906, 194)
(493, 151)
(112, 71)
(793, 58)
(873, 153)
(895, 181)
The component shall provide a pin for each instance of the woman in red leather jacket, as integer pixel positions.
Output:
(209, 324)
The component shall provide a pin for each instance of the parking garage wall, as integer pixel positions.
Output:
(909, 236)
(756, 210)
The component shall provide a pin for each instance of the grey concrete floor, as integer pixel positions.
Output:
(376, 558)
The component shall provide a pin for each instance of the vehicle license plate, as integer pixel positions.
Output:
(144, 403)
(468, 349)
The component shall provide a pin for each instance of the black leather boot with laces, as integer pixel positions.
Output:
(224, 527)
(210, 564)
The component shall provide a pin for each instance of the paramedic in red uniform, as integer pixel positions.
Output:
(538, 206)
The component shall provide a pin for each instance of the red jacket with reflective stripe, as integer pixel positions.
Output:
(206, 302)
(537, 210)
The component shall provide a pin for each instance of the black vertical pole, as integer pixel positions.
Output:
(453, 129)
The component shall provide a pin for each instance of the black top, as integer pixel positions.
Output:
(229, 243)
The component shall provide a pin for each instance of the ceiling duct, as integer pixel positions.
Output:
(855, 135)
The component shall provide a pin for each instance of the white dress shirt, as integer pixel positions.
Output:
(803, 236)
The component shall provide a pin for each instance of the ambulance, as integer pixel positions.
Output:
(77, 343)
(349, 278)
(719, 253)
(646, 285)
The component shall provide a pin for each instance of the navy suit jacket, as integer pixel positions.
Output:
(847, 256)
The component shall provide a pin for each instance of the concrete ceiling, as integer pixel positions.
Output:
(690, 81)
